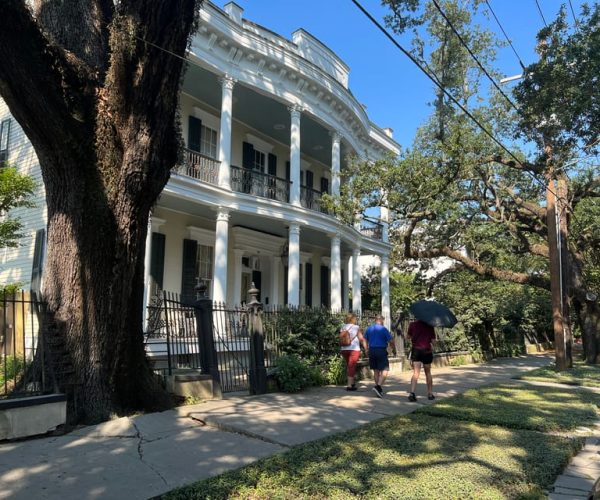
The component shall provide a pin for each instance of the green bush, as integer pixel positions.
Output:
(292, 374)
(458, 361)
(336, 370)
(310, 334)
(10, 369)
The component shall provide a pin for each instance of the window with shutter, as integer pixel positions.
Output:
(157, 263)
(309, 283)
(324, 185)
(325, 300)
(188, 270)
(4, 140)
(194, 133)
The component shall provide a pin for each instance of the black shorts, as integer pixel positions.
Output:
(378, 359)
(421, 355)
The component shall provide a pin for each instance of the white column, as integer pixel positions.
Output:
(294, 265)
(335, 163)
(221, 246)
(153, 224)
(275, 266)
(147, 284)
(385, 290)
(227, 84)
(385, 218)
(336, 274)
(237, 276)
(345, 304)
(356, 298)
(295, 155)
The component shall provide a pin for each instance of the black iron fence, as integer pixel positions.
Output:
(22, 352)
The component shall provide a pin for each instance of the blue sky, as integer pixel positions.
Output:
(394, 91)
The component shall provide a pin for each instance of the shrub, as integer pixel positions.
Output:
(336, 370)
(10, 369)
(292, 374)
(458, 361)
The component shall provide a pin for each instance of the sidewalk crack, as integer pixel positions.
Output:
(242, 432)
(140, 451)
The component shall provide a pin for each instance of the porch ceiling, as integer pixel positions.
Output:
(310, 239)
(262, 113)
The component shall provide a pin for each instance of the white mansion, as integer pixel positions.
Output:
(268, 125)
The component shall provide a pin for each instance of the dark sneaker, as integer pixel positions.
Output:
(412, 398)
(431, 397)
(378, 391)
(379, 388)
(352, 388)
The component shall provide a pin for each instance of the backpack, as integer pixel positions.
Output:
(345, 338)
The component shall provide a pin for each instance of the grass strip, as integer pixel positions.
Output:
(414, 456)
(544, 409)
(581, 374)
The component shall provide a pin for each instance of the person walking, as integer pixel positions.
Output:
(351, 352)
(378, 337)
(422, 335)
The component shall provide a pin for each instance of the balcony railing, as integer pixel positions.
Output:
(311, 199)
(248, 181)
(199, 166)
(372, 228)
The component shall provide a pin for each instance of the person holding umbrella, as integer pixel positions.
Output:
(421, 332)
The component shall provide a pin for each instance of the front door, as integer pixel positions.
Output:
(246, 282)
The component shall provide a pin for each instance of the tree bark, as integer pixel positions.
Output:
(101, 115)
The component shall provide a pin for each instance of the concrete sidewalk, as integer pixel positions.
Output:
(146, 455)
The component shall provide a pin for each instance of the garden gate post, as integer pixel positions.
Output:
(203, 309)
(257, 373)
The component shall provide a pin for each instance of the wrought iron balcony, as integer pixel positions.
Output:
(199, 167)
(311, 199)
(244, 180)
(372, 228)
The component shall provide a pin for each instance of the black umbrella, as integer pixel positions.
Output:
(433, 313)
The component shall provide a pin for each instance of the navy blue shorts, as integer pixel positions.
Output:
(378, 359)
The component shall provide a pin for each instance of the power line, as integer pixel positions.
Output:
(437, 5)
(436, 81)
(541, 13)
(573, 12)
(505, 35)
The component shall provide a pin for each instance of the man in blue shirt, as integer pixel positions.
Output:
(378, 337)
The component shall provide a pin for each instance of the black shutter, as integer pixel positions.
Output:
(324, 185)
(38, 261)
(272, 160)
(308, 292)
(4, 140)
(309, 179)
(288, 173)
(257, 280)
(157, 259)
(325, 301)
(285, 285)
(194, 133)
(188, 271)
(247, 155)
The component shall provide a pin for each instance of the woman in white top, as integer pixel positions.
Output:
(351, 352)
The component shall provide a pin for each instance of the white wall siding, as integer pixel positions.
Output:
(15, 263)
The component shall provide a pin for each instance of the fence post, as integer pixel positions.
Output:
(203, 310)
(258, 372)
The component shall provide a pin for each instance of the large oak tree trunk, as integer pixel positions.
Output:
(95, 87)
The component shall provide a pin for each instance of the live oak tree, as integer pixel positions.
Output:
(95, 87)
(456, 193)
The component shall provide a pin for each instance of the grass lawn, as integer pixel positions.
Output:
(580, 374)
(521, 407)
(488, 443)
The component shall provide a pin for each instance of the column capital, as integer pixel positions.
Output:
(222, 214)
(227, 81)
(356, 252)
(384, 259)
(295, 110)
(335, 238)
(294, 229)
(336, 136)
